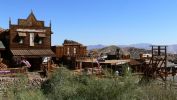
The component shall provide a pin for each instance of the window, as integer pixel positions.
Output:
(20, 41)
(39, 38)
(20, 37)
(40, 41)
(31, 39)
(74, 50)
(67, 51)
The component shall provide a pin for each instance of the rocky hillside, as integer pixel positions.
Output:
(109, 49)
(170, 48)
(134, 52)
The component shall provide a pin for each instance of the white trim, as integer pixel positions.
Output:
(31, 30)
(68, 51)
(74, 50)
(31, 39)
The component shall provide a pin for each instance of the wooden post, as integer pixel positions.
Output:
(49, 65)
(80, 67)
(159, 50)
(111, 69)
(165, 63)
(152, 55)
(92, 64)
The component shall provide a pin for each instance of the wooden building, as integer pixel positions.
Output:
(29, 38)
(2, 47)
(69, 52)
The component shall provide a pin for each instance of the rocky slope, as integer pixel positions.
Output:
(134, 52)
(170, 48)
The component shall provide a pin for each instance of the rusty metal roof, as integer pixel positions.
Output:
(33, 52)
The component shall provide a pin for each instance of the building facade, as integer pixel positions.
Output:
(69, 52)
(29, 38)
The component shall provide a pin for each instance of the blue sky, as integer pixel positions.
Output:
(100, 21)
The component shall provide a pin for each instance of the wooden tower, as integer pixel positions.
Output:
(157, 66)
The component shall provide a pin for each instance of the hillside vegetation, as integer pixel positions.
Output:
(63, 85)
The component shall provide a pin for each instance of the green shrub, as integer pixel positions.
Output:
(19, 90)
(64, 85)
(60, 86)
(157, 92)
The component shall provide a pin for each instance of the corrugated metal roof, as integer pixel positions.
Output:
(33, 52)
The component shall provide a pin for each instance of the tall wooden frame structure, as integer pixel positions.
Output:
(157, 66)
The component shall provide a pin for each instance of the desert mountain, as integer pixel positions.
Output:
(170, 48)
(134, 52)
